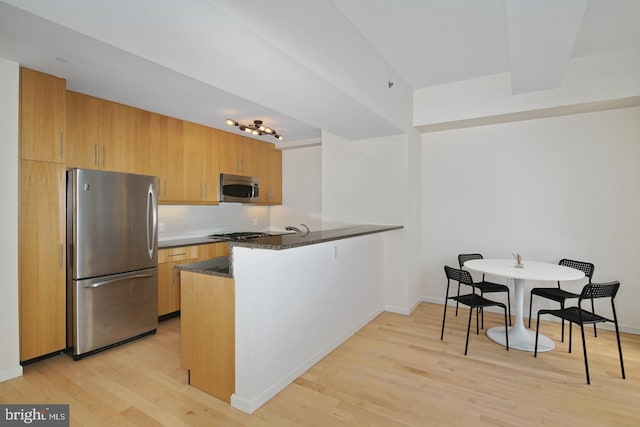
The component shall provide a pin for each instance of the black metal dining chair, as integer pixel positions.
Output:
(472, 300)
(583, 317)
(484, 286)
(561, 295)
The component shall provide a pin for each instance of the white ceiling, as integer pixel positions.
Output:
(305, 66)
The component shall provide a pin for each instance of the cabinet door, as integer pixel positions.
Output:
(42, 116)
(42, 259)
(83, 130)
(230, 153)
(169, 278)
(194, 138)
(207, 330)
(102, 134)
(146, 151)
(168, 288)
(274, 191)
(211, 165)
(167, 132)
(118, 137)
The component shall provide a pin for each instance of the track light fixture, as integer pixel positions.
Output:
(256, 128)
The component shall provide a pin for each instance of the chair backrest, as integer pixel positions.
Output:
(462, 258)
(458, 275)
(599, 290)
(586, 267)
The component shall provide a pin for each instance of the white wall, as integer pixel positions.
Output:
(301, 188)
(9, 337)
(367, 181)
(552, 188)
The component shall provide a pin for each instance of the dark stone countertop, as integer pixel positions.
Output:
(189, 241)
(288, 241)
(223, 266)
(220, 266)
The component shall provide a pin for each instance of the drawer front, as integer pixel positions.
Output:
(183, 253)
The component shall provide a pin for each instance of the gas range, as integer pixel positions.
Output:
(238, 236)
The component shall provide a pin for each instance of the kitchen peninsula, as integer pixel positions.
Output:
(255, 321)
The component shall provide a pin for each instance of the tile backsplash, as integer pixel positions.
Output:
(180, 221)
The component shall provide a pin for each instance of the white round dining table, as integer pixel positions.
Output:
(521, 338)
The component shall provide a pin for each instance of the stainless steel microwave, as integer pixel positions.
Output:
(238, 188)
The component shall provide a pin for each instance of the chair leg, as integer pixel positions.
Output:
(535, 347)
(530, 312)
(570, 337)
(466, 345)
(593, 310)
(482, 311)
(506, 329)
(444, 316)
(458, 297)
(584, 351)
(620, 350)
(478, 311)
(509, 306)
(562, 308)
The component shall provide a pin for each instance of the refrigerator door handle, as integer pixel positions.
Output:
(152, 214)
(107, 282)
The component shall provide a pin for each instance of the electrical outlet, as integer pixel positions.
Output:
(255, 221)
(161, 227)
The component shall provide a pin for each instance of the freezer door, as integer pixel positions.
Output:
(113, 222)
(111, 309)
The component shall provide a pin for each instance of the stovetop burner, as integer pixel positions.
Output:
(242, 235)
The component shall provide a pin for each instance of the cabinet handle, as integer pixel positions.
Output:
(60, 264)
(165, 187)
(62, 145)
(95, 154)
(206, 191)
(104, 156)
(183, 253)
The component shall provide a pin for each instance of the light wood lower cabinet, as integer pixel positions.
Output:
(42, 290)
(207, 333)
(169, 277)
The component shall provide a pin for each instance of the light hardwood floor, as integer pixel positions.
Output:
(394, 372)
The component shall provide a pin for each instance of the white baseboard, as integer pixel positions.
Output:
(8, 374)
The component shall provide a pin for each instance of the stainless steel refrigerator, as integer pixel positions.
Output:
(112, 244)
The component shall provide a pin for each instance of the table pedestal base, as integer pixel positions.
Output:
(520, 339)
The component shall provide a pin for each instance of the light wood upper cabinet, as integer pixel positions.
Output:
(42, 287)
(186, 157)
(230, 145)
(238, 154)
(42, 117)
(274, 189)
(83, 130)
(146, 155)
(167, 134)
(201, 163)
(101, 134)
